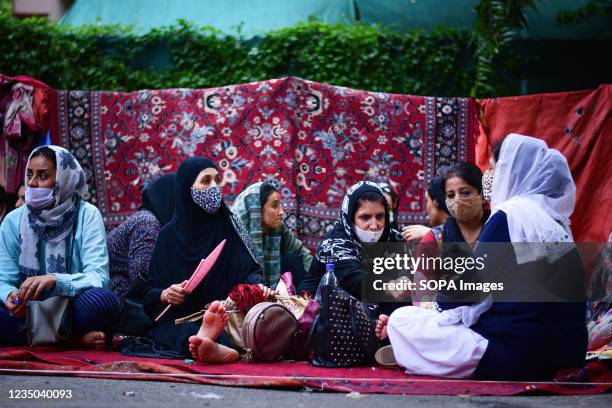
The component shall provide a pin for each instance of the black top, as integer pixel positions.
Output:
(182, 244)
(158, 197)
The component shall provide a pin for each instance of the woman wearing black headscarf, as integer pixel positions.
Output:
(364, 218)
(131, 244)
(201, 221)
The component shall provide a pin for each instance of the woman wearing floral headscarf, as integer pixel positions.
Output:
(55, 245)
(261, 212)
(364, 218)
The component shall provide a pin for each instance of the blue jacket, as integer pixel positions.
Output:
(89, 267)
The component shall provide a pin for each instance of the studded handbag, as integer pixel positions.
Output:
(343, 333)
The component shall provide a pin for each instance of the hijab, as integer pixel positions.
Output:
(53, 225)
(190, 236)
(533, 186)
(341, 243)
(158, 198)
(248, 207)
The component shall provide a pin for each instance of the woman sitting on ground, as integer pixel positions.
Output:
(201, 221)
(55, 245)
(130, 245)
(259, 207)
(502, 336)
(364, 218)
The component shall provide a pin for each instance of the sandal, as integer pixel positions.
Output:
(384, 356)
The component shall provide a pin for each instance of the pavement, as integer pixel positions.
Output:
(91, 393)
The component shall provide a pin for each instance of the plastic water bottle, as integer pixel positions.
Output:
(329, 279)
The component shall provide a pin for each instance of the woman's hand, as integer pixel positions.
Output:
(32, 288)
(267, 292)
(175, 294)
(14, 306)
(414, 232)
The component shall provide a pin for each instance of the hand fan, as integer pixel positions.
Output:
(200, 273)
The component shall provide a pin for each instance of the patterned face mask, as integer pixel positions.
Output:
(487, 184)
(209, 199)
(465, 209)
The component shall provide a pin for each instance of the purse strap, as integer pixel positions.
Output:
(72, 239)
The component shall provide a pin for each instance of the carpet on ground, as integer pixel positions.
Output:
(594, 378)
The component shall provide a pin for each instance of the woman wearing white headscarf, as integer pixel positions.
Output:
(536, 324)
(55, 245)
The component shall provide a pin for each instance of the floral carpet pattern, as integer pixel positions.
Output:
(311, 140)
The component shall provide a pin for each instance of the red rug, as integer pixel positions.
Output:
(595, 378)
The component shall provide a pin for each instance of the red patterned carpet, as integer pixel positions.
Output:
(595, 378)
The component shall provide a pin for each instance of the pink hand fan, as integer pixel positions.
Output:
(200, 273)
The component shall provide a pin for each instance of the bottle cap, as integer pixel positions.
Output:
(329, 267)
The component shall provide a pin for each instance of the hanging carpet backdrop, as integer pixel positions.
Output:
(579, 125)
(312, 140)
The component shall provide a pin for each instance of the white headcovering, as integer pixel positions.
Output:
(534, 187)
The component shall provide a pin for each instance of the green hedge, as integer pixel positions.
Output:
(437, 62)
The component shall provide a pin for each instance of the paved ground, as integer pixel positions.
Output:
(93, 393)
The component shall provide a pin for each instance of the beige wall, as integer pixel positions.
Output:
(54, 9)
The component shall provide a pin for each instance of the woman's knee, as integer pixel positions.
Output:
(96, 309)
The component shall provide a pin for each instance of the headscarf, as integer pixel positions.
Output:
(158, 198)
(533, 185)
(436, 193)
(341, 242)
(248, 208)
(386, 188)
(53, 225)
(190, 236)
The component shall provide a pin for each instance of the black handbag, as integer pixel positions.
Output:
(343, 333)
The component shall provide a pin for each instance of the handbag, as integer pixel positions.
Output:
(49, 321)
(269, 331)
(343, 333)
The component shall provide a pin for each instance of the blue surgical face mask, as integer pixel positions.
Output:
(208, 199)
(39, 197)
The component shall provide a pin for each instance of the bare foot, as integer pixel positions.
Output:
(206, 350)
(89, 341)
(381, 326)
(214, 321)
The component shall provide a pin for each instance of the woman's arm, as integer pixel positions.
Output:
(93, 254)
(9, 255)
(291, 245)
(141, 246)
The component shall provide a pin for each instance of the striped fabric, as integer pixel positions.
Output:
(248, 208)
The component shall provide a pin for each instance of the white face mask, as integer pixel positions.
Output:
(368, 236)
(39, 197)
